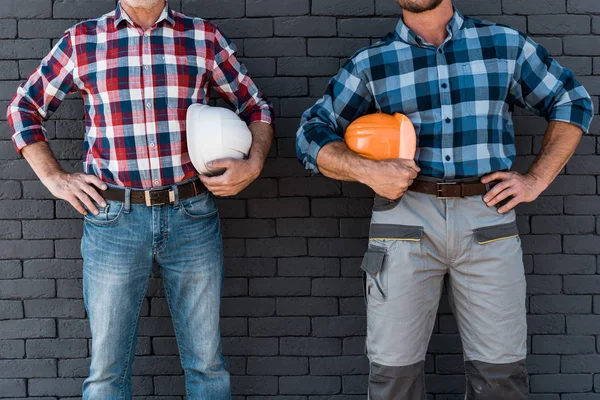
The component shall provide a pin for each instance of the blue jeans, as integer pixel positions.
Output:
(118, 249)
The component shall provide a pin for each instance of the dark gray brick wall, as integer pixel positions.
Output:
(293, 319)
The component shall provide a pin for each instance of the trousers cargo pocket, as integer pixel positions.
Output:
(372, 264)
(494, 233)
(391, 247)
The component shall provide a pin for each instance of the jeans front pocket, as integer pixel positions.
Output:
(201, 206)
(109, 215)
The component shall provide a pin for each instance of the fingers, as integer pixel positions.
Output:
(501, 196)
(510, 205)
(91, 192)
(76, 204)
(85, 199)
(503, 185)
(222, 163)
(495, 176)
(413, 165)
(94, 180)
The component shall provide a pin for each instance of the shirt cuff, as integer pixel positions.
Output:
(261, 115)
(29, 136)
(317, 139)
(573, 114)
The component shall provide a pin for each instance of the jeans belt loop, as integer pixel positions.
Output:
(174, 193)
(127, 205)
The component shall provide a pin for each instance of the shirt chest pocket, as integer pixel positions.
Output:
(483, 86)
(181, 80)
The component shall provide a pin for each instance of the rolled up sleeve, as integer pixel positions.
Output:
(41, 95)
(546, 88)
(346, 98)
(231, 81)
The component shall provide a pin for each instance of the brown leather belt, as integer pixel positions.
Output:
(155, 197)
(449, 190)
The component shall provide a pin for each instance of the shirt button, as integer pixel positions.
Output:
(146, 67)
(156, 182)
(152, 144)
(448, 158)
(440, 51)
(448, 120)
(444, 86)
(148, 104)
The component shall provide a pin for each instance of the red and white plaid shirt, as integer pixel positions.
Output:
(136, 86)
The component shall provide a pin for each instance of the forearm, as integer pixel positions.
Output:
(335, 160)
(560, 141)
(262, 138)
(42, 160)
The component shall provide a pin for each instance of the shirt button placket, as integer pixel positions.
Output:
(146, 61)
(446, 111)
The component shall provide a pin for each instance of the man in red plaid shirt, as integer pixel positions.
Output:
(138, 69)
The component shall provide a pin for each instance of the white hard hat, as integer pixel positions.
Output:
(214, 133)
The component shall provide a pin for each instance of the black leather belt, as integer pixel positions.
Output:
(155, 197)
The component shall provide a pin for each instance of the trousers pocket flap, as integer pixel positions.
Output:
(373, 261)
(493, 233)
(395, 232)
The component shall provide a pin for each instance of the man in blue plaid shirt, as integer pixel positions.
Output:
(451, 210)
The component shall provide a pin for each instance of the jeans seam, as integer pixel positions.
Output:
(130, 344)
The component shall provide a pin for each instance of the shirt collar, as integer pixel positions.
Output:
(166, 15)
(410, 37)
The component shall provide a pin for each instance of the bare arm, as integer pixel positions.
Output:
(74, 188)
(241, 173)
(388, 178)
(560, 141)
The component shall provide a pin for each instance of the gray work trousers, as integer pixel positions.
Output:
(413, 244)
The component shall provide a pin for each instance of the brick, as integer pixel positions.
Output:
(541, 244)
(589, 284)
(27, 288)
(308, 306)
(26, 209)
(580, 364)
(82, 8)
(27, 328)
(13, 387)
(34, 9)
(581, 45)
(54, 268)
(560, 304)
(254, 385)
(8, 29)
(279, 286)
(56, 348)
(582, 244)
(305, 26)
(579, 65)
(307, 66)
(309, 266)
(35, 190)
(335, 47)
(342, 207)
(309, 384)
(344, 365)
(583, 324)
(543, 364)
(277, 208)
(154, 365)
(533, 7)
(249, 266)
(582, 6)
(250, 346)
(210, 9)
(326, 247)
(563, 344)
(277, 366)
(545, 324)
(51, 29)
(52, 229)
(60, 308)
(55, 386)
(559, 24)
(514, 21)
(564, 264)
(247, 307)
(360, 27)
(560, 383)
(245, 28)
(266, 47)
(562, 224)
(582, 205)
(9, 189)
(553, 45)
(11, 309)
(572, 184)
(71, 248)
(308, 227)
(313, 187)
(310, 346)
(10, 230)
(477, 7)
(276, 247)
(338, 326)
(337, 287)
(12, 349)
(343, 8)
(279, 326)
(246, 228)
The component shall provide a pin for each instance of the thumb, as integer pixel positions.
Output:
(222, 163)
(413, 165)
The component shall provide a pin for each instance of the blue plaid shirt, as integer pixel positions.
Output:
(460, 96)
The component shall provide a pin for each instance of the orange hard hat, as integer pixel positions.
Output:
(382, 136)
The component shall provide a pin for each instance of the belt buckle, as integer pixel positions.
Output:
(149, 202)
(439, 185)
